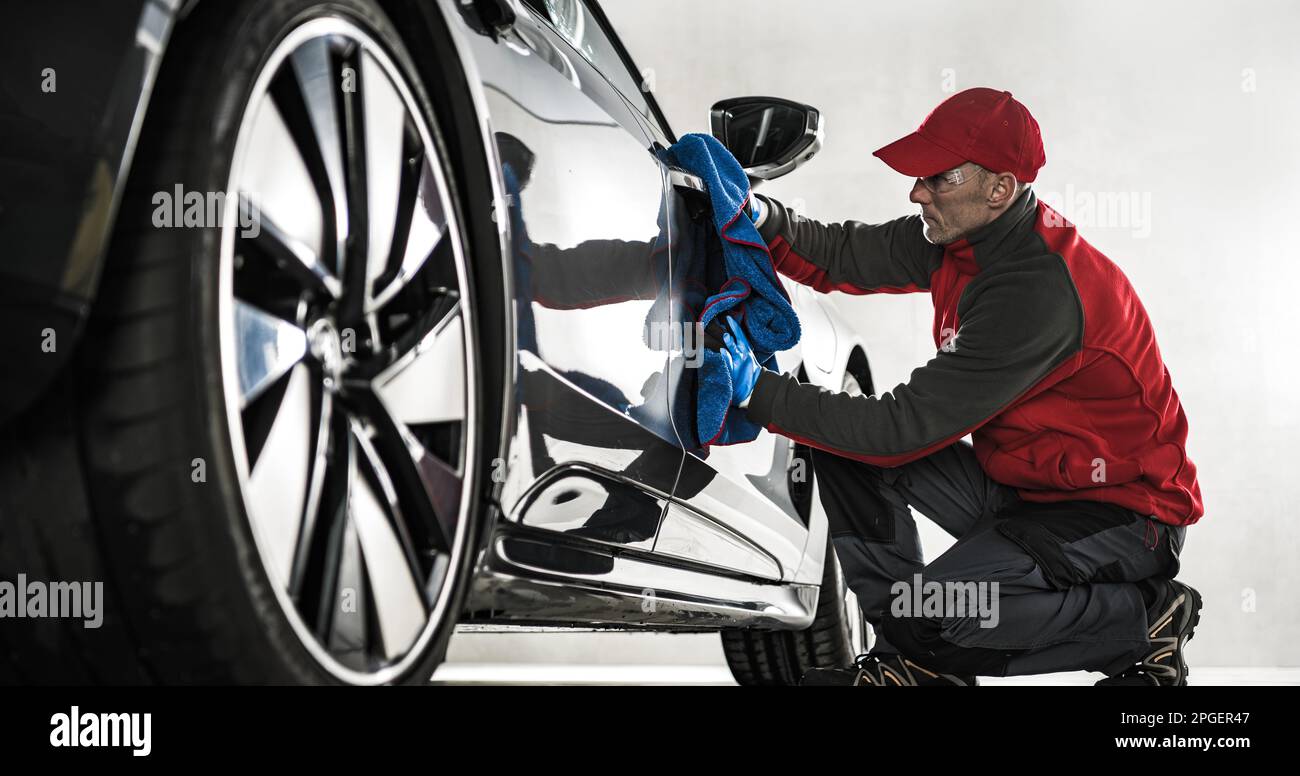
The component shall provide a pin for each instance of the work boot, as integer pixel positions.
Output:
(1172, 617)
(886, 670)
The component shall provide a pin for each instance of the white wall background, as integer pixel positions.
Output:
(1190, 107)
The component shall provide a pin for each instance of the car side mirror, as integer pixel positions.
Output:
(769, 136)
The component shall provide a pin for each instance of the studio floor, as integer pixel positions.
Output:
(544, 657)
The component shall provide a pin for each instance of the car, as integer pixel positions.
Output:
(337, 325)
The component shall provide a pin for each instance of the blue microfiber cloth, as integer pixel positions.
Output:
(752, 292)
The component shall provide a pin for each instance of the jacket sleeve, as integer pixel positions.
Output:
(852, 257)
(596, 272)
(1012, 336)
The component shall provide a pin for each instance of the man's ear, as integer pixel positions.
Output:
(1003, 191)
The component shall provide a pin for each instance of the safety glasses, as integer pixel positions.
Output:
(941, 183)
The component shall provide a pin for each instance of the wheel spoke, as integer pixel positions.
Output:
(385, 144)
(316, 496)
(277, 484)
(432, 486)
(421, 225)
(349, 600)
(376, 472)
(427, 383)
(357, 189)
(277, 184)
(291, 255)
(308, 98)
(330, 569)
(268, 348)
(399, 597)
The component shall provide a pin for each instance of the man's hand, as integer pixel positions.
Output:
(741, 362)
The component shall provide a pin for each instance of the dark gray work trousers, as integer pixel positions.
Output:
(1064, 599)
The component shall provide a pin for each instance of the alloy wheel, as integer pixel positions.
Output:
(348, 351)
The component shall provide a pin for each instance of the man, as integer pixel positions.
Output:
(1070, 507)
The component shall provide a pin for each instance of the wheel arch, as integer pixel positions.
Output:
(859, 367)
(433, 33)
(856, 364)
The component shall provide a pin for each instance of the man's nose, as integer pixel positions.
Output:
(920, 194)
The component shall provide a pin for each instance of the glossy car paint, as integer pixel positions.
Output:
(607, 510)
(78, 81)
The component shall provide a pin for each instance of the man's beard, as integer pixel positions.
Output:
(939, 236)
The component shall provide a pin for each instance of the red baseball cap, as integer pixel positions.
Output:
(985, 126)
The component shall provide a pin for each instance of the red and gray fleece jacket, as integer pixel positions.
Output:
(1046, 357)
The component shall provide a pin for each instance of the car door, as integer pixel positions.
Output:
(732, 506)
(595, 453)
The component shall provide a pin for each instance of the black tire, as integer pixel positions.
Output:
(47, 533)
(187, 598)
(781, 657)
(758, 657)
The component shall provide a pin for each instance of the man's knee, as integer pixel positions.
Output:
(852, 498)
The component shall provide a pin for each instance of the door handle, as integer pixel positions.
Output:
(680, 179)
(685, 182)
(693, 193)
